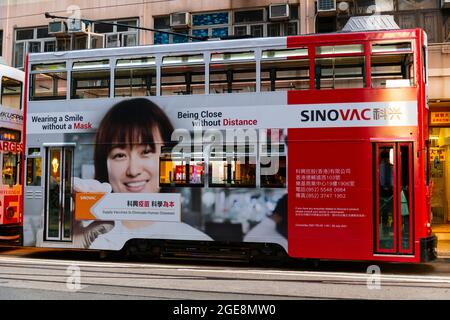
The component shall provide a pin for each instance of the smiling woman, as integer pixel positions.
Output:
(128, 146)
(126, 159)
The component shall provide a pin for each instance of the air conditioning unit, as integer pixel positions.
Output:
(445, 3)
(180, 20)
(279, 12)
(76, 26)
(326, 6)
(57, 27)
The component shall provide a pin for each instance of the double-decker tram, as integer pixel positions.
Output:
(314, 146)
(11, 154)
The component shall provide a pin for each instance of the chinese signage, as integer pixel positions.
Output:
(440, 118)
(128, 206)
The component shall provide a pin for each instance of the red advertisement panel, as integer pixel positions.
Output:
(330, 199)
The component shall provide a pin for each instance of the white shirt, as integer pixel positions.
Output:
(265, 231)
(119, 235)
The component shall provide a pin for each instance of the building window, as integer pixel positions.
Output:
(213, 25)
(208, 19)
(30, 40)
(256, 23)
(119, 36)
(249, 16)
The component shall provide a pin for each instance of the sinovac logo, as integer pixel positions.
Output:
(367, 114)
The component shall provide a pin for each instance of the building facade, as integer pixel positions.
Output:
(24, 29)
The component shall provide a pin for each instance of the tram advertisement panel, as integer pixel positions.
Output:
(180, 168)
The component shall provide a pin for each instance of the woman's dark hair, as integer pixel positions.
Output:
(129, 122)
(281, 209)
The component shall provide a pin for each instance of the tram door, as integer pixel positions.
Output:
(393, 218)
(58, 204)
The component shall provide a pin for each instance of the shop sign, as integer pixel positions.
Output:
(440, 118)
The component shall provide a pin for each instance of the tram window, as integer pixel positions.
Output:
(51, 85)
(284, 70)
(392, 70)
(135, 77)
(90, 84)
(232, 169)
(10, 168)
(391, 47)
(34, 171)
(196, 171)
(11, 95)
(183, 75)
(90, 80)
(10, 135)
(340, 49)
(273, 166)
(135, 82)
(339, 72)
(34, 167)
(181, 170)
(233, 72)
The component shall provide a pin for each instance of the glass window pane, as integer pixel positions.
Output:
(129, 40)
(274, 30)
(284, 53)
(345, 72)
(232, 56)
(53, 193)
(292, 29)
(206, 19)
(240, 30)
(48, 67)
(11, 95)
(392, 71)
(249, 16)
(19, 55)
(391, 47)
(10, 169)
(90, 84)
(10, 135)
(132, 23)
(162, 22)
(42, 32)
(48, 85)
(189, 80)
(292, 74)
(219, 32)
(103, 28)
(135, 82)
(136, 62)
(386, 197)
(232, 77)
(49, 46)
(34, 171)
(90, 64)
(170, 60)
(34, 46)
(67, 210)
(349, 48)
(405, 198)
(257, 30)
(112, 40)
(24, 34)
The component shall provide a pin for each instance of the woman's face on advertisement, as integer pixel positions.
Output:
(135, 168)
